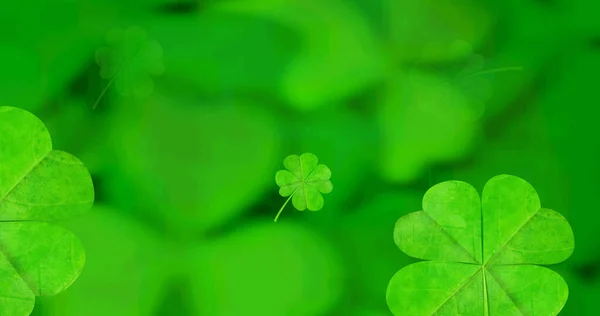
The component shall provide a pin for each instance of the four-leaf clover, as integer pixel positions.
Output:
(38, 186)
(485, 253)
(304, 181)
(128, 61)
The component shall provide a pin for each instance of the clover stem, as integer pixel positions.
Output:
(284, 204)
(485, 72)
(106, 88)
(486, 311)
(112, 80)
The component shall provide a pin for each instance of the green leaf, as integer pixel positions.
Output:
(38, 186)
(340, 54)
(264, 269)
(129, 60)
(303, 181)
(423, 119)
(485, 252)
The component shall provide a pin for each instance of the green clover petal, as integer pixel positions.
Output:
(530, 234)
(38, 185)
(485, 253)
(448, 228)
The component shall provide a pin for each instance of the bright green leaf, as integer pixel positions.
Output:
(38, 186)
(303, 181)
(488, 266)
(129, 60)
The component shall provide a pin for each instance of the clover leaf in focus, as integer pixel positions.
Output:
(484, 253)
(38, 186)
(303, 181)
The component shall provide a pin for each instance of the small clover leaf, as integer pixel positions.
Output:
(485, 253)
(304, 181)
(38, 186)
(128, 61)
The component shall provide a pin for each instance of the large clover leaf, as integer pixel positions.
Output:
(38, 185)
(485, 253)
(303, 181)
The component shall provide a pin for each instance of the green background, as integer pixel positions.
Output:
(379, 90)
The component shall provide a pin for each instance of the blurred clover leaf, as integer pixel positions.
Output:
(452, 106)
(340, 53)
(180, 159)
(38, 186)
(411, 102)
(304, 181)
(128, 61)
(484, 252)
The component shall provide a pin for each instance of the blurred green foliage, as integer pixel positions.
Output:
(376, 89)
